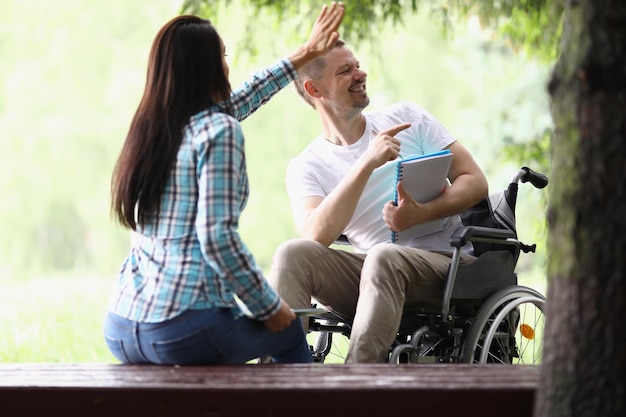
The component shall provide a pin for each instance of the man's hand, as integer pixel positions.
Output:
(385, 147)
(281, 319)
(404, 215)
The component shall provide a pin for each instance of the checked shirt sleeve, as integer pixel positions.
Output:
(260, 87)
(223, 191)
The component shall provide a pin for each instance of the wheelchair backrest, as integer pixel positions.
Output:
(497, 211)
(492, 271)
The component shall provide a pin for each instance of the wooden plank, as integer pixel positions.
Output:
(92, 390)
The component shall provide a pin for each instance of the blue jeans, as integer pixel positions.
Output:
(202, 337)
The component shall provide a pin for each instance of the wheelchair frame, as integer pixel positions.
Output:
(482, 312)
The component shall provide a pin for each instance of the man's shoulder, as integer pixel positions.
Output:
(312, 162)
(311, 151)
(398, 112)
(403, 106)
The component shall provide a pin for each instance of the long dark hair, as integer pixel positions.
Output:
(185, 76)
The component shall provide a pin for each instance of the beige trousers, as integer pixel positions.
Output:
(372, 289)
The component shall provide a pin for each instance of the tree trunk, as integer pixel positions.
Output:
(584, 363)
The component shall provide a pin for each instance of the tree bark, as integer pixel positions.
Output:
(584, 363)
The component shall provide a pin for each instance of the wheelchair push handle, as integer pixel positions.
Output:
(537, 179)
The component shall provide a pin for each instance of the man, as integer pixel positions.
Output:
(342, 184)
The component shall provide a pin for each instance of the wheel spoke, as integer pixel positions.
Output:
(507, 329)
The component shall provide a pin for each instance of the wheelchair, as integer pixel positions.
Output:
(485, 316)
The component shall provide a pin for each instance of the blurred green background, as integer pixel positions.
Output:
(71, 75)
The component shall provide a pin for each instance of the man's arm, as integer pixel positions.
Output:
(469, 186)
(324, 219)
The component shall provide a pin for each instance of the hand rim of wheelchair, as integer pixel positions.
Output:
(506, 310)
(507, 299)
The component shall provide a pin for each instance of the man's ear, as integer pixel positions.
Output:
(311, 88)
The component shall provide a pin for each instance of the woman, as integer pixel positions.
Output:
(180, 184)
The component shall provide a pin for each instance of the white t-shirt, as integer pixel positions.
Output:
(319, 168)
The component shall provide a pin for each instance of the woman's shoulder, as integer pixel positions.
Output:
(213, 123)
(212, 115)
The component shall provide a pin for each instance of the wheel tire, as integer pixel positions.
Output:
(519, 312)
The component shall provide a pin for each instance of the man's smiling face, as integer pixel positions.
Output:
(343, 85)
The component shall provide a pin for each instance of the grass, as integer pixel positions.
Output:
(54, 319)
(59, 318)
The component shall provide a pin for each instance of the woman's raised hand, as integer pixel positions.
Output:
(323, 35)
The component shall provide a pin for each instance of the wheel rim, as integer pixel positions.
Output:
(525, 322)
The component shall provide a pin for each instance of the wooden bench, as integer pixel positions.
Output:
(91, 390)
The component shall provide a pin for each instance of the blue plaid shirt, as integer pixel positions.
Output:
(191, 256)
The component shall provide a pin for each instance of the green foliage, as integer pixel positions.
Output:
(365, 17)
(69, 83)
(533, 152)
(535, 27)
(531, 25)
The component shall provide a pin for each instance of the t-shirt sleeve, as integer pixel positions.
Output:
(302, 181)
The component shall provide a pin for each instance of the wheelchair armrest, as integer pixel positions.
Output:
(465, 234)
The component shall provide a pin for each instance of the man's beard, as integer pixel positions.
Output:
(363, 104)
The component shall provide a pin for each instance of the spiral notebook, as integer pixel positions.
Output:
(424, 177)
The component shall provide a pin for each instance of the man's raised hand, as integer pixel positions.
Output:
(385, 147)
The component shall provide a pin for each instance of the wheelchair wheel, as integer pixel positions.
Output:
(508, 328)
